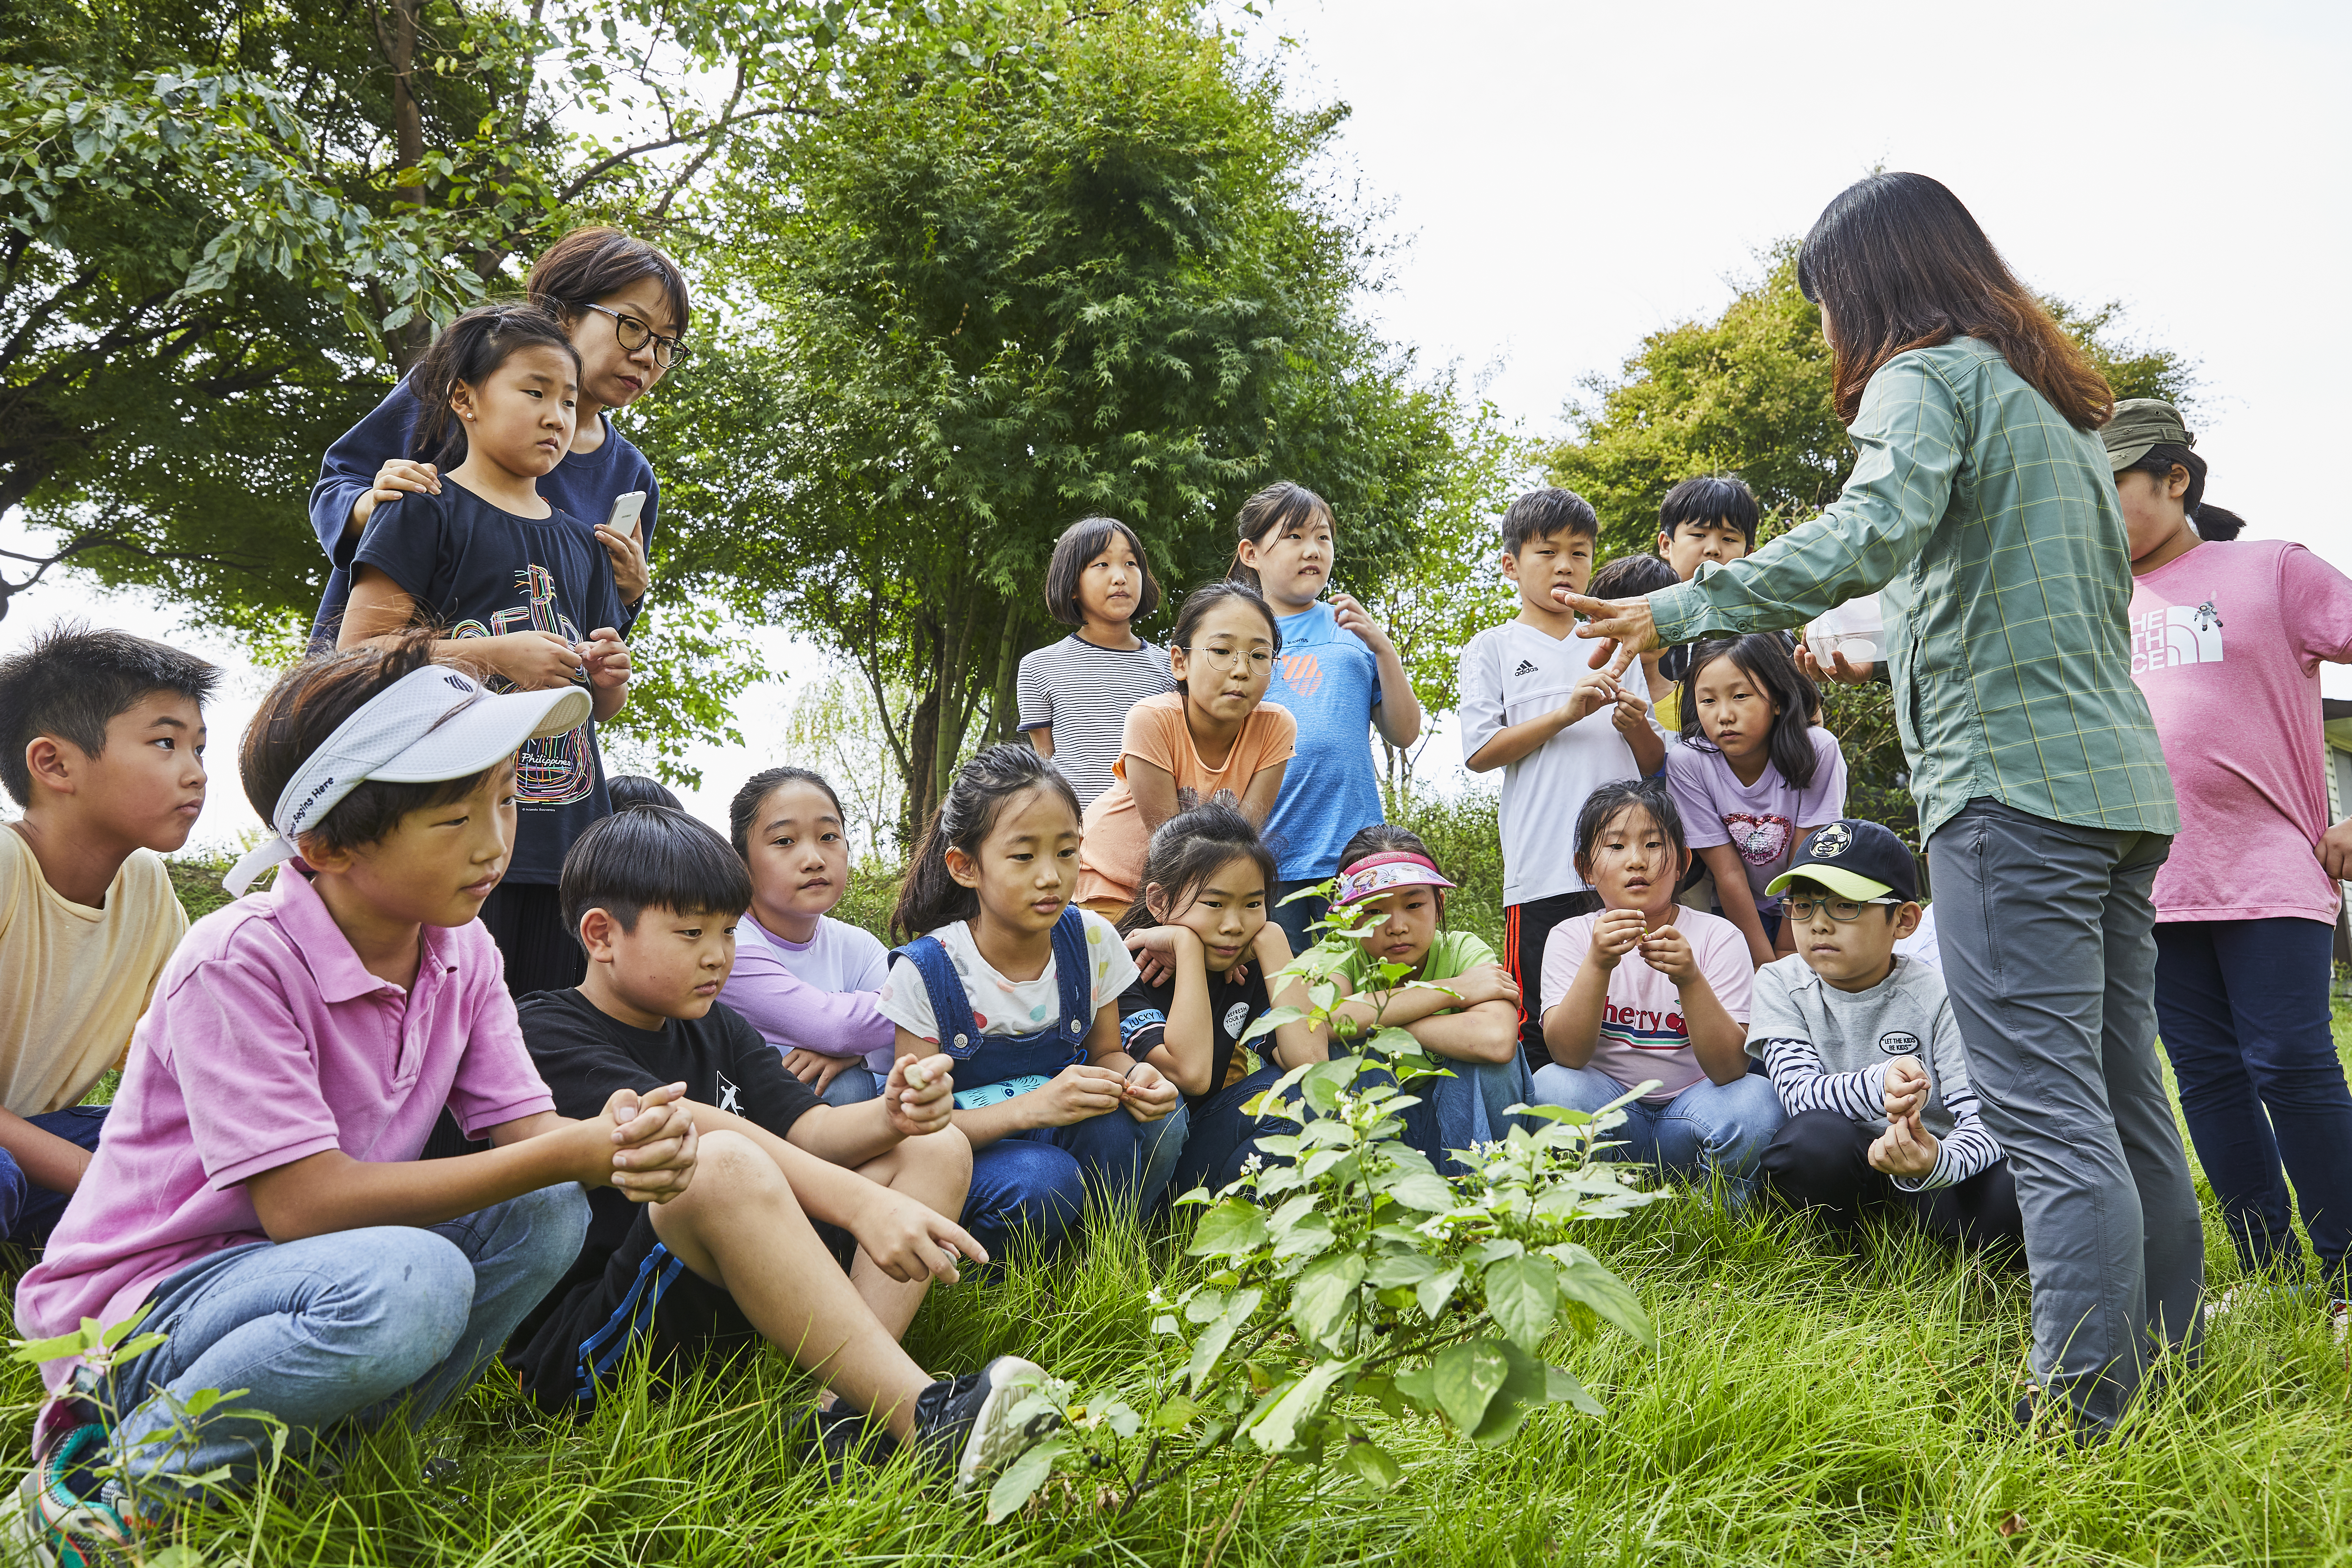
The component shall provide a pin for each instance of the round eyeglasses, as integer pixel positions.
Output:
(632, 334)
(1222, 658)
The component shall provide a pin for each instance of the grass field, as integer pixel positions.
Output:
(1805, 1406)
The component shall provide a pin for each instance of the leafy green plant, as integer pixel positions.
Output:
(1347, 1277)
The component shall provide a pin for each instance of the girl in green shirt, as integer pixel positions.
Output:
(1455, 996)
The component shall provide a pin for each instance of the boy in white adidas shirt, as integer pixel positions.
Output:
(1532, 706)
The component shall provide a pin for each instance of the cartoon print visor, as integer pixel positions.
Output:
(431, 724)
(1385, 873)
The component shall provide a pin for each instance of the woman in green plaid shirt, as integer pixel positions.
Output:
(1981, 511)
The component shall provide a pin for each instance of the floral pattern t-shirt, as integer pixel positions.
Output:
(1002, 1006)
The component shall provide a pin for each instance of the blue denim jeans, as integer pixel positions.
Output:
(1471, 1107)
(1034, 1182)
(28, 1210)
(2242, 1006)
(334, 1329)
(853, 1085)
(1710, 1132)
(1222, 1135)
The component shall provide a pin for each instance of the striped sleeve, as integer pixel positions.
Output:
(1966, 1151)
(1798, 1078)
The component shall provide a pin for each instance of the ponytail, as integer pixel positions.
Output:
(468, 350)
(1280, 506)
(930, 897)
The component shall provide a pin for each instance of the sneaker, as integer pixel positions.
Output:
(968, 1422)
(43, 1524)
(2339, 1317)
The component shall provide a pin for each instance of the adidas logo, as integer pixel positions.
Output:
(1526, 666)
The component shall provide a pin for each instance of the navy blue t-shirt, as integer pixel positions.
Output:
(583, 484)
(480, 571)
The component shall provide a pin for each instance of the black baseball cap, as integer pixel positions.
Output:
(1860, 860)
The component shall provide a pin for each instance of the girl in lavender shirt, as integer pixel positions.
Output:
(807, 981)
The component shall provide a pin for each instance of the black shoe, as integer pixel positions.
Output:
(967, 1423)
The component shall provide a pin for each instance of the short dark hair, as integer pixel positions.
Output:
(2211, 521)
(1707, 499)
(629, 790)
(306, 707)
(651, 858)
(1539, 514)
(1075, 550)
(1602, 807)
(588, 263)
(744, 810)
(468, 350)
(1632, 577)
(69, 682)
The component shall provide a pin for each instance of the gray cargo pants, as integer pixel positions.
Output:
(2049, 948)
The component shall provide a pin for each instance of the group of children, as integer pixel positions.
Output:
(685, 1109)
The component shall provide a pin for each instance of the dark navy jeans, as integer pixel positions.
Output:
(2242, 1006)
(1033, 1183)
(29, 1212)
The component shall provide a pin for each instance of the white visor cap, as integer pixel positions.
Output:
(431, 724)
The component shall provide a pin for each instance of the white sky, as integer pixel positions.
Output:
(1569, 177)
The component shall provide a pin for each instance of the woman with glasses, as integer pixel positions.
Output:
(624, 305)
(1981, 511)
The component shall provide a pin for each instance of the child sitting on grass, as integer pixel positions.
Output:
(816, 1227)
(1867, 1055)
(258, 1190)
(102, 743)
(811, 985)
(1648, 990)
(1006, 977)
(1202, 922)
(1471, 1026)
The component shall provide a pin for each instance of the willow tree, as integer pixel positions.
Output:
(1091, 275)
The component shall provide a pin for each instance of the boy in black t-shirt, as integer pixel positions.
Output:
(817, 1227)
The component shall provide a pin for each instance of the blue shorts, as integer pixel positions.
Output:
(29, 1212)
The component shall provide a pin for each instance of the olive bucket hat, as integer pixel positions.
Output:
(2141, 423)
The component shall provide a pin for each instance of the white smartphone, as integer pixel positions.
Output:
(625, 508)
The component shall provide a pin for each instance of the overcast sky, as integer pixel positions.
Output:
(1569, 177)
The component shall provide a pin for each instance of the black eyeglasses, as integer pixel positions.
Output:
(632, 334)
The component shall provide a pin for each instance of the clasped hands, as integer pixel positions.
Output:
(1906, 1149)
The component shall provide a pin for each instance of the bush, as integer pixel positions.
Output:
(1463, 833)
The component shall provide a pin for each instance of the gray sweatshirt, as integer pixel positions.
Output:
(1827, 1050)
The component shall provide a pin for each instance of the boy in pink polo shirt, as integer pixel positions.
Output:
(258, 1186)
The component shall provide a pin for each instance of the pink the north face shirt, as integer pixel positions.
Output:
(2227, 643)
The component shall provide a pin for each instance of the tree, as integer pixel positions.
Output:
(1087, 278)
(225, 229)
(1748, 392)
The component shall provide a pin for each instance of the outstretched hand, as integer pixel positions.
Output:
(1845, 671)
(1625, 623)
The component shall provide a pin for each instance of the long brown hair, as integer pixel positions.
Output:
(1896, 263)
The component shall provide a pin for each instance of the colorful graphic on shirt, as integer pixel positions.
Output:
(1644, 1028)
(1760, 840)
(1303, 673)
(2176, 635)
(561, 769)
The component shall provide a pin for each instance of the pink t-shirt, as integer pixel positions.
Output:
(2227, 643)
(266, 1043)
(1642, 1035)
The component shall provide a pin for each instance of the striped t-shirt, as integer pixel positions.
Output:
(1082, 693)
(1643, 1034)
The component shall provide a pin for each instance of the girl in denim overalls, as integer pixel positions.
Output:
(1023, 991)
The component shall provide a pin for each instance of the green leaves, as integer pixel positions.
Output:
(1465, 1378)
(1024, 1476)
(1522, 1298)
(1211, 1346)
(1231, 1226)
(1323, 1296)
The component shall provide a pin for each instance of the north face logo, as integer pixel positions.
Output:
(1526, 666)
(2176, 635)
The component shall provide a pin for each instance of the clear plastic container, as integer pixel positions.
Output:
(1854, 629)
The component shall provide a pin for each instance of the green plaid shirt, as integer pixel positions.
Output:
(1989, 527)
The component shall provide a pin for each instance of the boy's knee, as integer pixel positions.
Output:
(403, 1316)
(942, 1158)
(730, 1168)
(1810, 1156)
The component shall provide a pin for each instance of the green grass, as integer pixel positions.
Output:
(1805, 1406)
